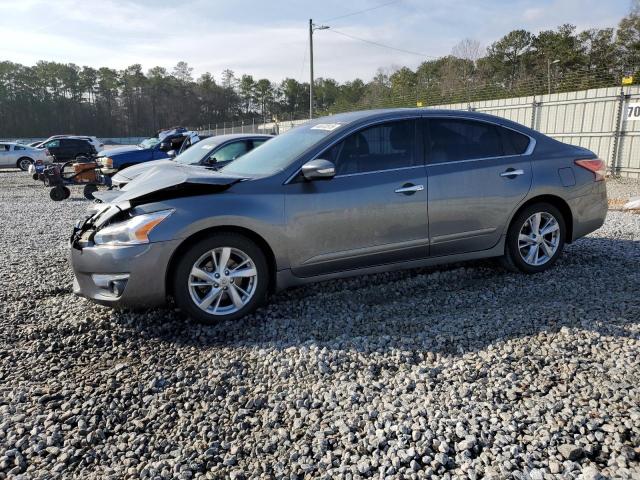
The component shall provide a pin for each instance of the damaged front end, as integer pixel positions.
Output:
(159, 185)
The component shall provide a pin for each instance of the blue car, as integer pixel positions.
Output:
(154, 148)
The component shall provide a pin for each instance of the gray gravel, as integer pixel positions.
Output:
(458, 372)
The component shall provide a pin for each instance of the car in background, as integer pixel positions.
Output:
(212, 152)
(97, 144)
(15, 155)
(65, 149)
(350, 194)
(163, 146)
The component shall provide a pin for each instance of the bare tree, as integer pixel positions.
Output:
(469, 49)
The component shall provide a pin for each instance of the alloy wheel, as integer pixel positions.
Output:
(539, 238)
(223, 280)
(24, 164)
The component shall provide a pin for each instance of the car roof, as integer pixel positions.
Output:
(235, 136)
(389, 113)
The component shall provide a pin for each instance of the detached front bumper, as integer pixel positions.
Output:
(123, 276)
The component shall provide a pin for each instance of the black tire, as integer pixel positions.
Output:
(67, 192)
(89, 190)
(35, 176)
(82, 158)
(23, 163)
(181, 291)
(58, 193)
(513, 259)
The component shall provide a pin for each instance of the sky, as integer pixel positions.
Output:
(269, 39)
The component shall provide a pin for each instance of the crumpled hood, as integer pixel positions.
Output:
(169, 180)
(128, 174)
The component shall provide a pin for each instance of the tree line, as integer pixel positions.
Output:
(50, 97)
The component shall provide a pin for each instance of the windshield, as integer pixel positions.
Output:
(149, 142)
(278, 153)
(196, 152)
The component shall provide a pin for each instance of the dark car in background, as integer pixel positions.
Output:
(351, 194)
(213, 152)
(65, 149)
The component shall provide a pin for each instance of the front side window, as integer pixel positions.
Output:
(382, 147)
(229, 152)
(450, 140)
(19, 147)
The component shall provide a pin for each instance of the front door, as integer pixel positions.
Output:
(478, 173)
(6, 159)
(373, 212)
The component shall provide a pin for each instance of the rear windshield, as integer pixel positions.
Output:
(279, 152)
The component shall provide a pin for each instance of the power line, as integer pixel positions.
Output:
(361, 11)
(418, 54)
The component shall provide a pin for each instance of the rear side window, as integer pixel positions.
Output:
(4, 147)
(514, 143)
(382, 147)
(451, 140)
(19, 147)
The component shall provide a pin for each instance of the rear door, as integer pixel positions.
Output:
(373, 212)
(478, 173)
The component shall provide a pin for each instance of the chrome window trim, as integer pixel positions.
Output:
(416, 116)
(378, 171)
(529, 151)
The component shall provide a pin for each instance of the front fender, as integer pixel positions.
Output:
(262, 215)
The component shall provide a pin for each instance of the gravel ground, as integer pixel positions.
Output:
(458, 372)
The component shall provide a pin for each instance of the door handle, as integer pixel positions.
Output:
(512, 173)
(409, 189)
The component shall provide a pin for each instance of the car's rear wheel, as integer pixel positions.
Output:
(223, 277)
(535, 239)
(24, 163)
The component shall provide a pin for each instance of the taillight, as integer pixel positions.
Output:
(39, 162)
(46, 152)
(596, 166)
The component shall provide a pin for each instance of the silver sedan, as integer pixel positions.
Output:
(15, 155)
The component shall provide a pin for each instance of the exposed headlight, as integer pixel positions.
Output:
(107, 162)
(133, 231)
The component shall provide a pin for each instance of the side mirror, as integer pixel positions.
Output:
(171, 153)
(165, 146)
(318, 169)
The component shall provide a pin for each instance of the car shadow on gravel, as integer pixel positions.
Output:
(450, 309)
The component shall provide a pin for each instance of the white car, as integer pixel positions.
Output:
(14, 155)
(97, 144)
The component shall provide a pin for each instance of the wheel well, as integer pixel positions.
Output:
(261, 242)
(557, 202)
(22, 158)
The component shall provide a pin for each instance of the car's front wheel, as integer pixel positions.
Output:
(223, 277)
(535, 239)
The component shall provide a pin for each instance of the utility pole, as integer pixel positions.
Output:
(549, 63)
(312, 28)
